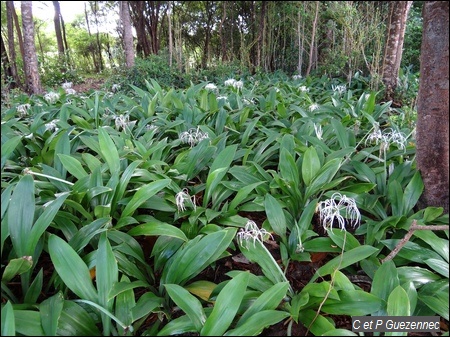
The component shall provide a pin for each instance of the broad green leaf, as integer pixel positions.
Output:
(196, 255)
(341, 237)
(395, 197)
(268, 300)
(341, 133)
(76, 321)
(157, 229)
(8, 147)
(288, 168)
(178, 327)
(8, 320)
(218, 169)
(323, 177)
(226, 306)
(201, 288)
(146, 304)
(256, 252)
(188, 303)
(256, 323)
(28, 323)
(439, 266)
(71, 268)
(418, 275)
(16, 267)
(21, 215)
(353, 303)
(242, 194)
(398, 302)
(125, 286)
(412, 193)
(106, 276)
(51, 310)
(411, 251)
(44, 221)
(316, 324)
(344, 260)
(275, 215)
(73, 166)
(125, 302)
(144, 193)
(439, 245)
(109, 151)
(435, 296)
(384, 282)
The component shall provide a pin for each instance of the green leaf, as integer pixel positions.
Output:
(268, 300)
(275, 215)
(188, 303)
(353, 303)
(73, 166)
(16, 267)
(323, 177)
(310, 165)
(384, 282)
(242, 194)
(347, 259)
(51, 310)
(21, 214)
(143, 194)
(158, 228)
(196, 255)
(435, 296)
(178, 326)
(108, 151)
(439, 266)
(256, 323)
(218, 169)
(28, 323)
(107, 274)
(412, 193)
(8, 147)
(288, 168)
(398, 303)
(76, 321)
(226, 306)
(395, 197)
(71, 268)
(8, 320)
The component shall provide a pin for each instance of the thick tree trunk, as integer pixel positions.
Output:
(137, 16)
(127, 34)
(433, 109)
(33, 81)
(394, 46)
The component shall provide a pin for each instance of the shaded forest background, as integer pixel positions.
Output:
(177, 41)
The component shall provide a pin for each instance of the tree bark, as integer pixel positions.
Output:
(11, 46)
(57, 22)
(313, 36)
(394, 46)
(127, 34)
(33, 81)
(432, 131)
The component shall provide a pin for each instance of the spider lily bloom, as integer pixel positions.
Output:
(296, 77)
(252, 232)
(180, 199)
(313, 107)
(211, 87)
(338, 88)
(123, 121)
(334, 208)
(319, 131)
(193, 136)
(304, 89)
(23, 109)
(51, 126)
(51, 97)
(386, 138)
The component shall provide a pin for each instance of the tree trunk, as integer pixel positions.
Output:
(16, 83)
(169, 23)
(394, 46)
(223, 42)
(57, 22)
(33, 81)
(137, 16)
(127, 34)
(261, 34)
(313, 36)
(432, 108)
(7, 72)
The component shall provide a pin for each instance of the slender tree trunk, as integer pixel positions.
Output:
(261, 34)
(18, 29)
(223, 42)
(433, 106)
(57, 22)
(11, 46)
(33, 81)
(313, 36)
(127, 34)
(394, 46)
(7, 72)
(169, 22)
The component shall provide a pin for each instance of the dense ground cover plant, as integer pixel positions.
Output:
(115, 205)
